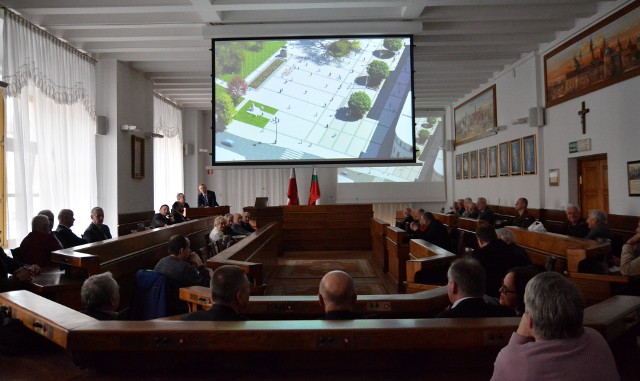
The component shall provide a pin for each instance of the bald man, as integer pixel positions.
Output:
(337, 296)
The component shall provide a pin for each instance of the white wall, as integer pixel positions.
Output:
(612, 125)
(134, 107)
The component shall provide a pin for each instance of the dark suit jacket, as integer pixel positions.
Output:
(218, 312)
(436, 233)
(177, 217)
(8, 266)
(211, 198)
(67, 238)
(159, 220)
(497, 258)
(95, 233)
(474, 308)
(580, 230)
(523, 220)
(487, 215)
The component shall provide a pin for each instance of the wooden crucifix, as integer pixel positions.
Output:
(583, 118)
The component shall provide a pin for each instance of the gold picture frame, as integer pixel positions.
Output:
(477, 117)
(137, 157)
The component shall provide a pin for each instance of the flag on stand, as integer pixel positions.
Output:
(292, 192)
(314, 192)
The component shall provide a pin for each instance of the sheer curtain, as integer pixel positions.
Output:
(50, 126)
(168, 170)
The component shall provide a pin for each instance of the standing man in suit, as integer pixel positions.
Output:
(63, 232)
(466, 290)
(97, 231)
(206, 198)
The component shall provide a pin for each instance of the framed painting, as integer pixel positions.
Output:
(503, 152)
(482, 162)
(602, 55)
(465, 165)
(515, 147)
(137, 157)
(493, 161)
(633, 175)
(458, 167)
(554, 177)
(476, 118)
(529, 155)
(473, 164)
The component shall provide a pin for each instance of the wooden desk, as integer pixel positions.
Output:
(424, 256)
(304, 344)
(193, 213)
(398, 251)
(380, 254)
(419, 305)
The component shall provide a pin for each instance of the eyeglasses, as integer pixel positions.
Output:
(504, 290)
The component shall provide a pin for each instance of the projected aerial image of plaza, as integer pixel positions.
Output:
(313, 99)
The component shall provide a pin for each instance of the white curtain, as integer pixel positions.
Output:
(50, 126)
(168, 171)
(240, 187)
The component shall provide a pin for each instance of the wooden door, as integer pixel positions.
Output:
(593, 184)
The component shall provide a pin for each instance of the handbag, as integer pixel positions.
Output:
(537, 226)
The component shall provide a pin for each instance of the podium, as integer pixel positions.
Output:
(193, 213)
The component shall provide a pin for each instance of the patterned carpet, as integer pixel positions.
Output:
(315, 269)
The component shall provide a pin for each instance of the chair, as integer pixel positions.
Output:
(149, 296)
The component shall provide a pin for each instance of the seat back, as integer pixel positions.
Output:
(149, 297)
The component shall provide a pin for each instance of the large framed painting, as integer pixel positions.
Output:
(600, 56)
(465, 165)
(458, 167)
(493, 161)
(529, 155)
(503, 149)
(476, 118)
(515, 147)
(473, 164)
(482, 162)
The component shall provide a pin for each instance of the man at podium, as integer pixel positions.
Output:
(206, 198)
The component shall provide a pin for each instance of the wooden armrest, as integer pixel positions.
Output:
(598, 277)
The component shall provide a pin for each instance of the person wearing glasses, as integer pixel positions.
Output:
(512, 289)
(551, 343)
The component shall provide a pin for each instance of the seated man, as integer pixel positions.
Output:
(177, 212)
(183, 200)
(49, 214)
(506, 236)
(472, 210)
(575, 226)
(630, 261)
(432, 231)
(206, 198)
(461, 208)
(63, 232)
(496, 257)
(218, 234)
(163, 218)
(484, 212)
(100, 296)
(230, 291)
(236, 226)
(523, 219)
(598, 227)
(465, 206)
(181, 265)
(551, 343)
(97, 231)
(246, 225)
(20, 274)
(466, 290)
(406, 221)
(37, 246)
(338, 296)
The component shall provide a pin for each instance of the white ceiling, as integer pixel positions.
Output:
(462, 43)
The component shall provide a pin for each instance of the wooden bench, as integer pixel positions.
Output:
(398, 251)
(257, 254)
(380, 254)
(425, 256)
(306, 344)
(193, 213)
(133, 222)
(123, 256)
(419, 305)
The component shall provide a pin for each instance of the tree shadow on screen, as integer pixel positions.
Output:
(344, 114)
(361, 81)
(383, 54)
